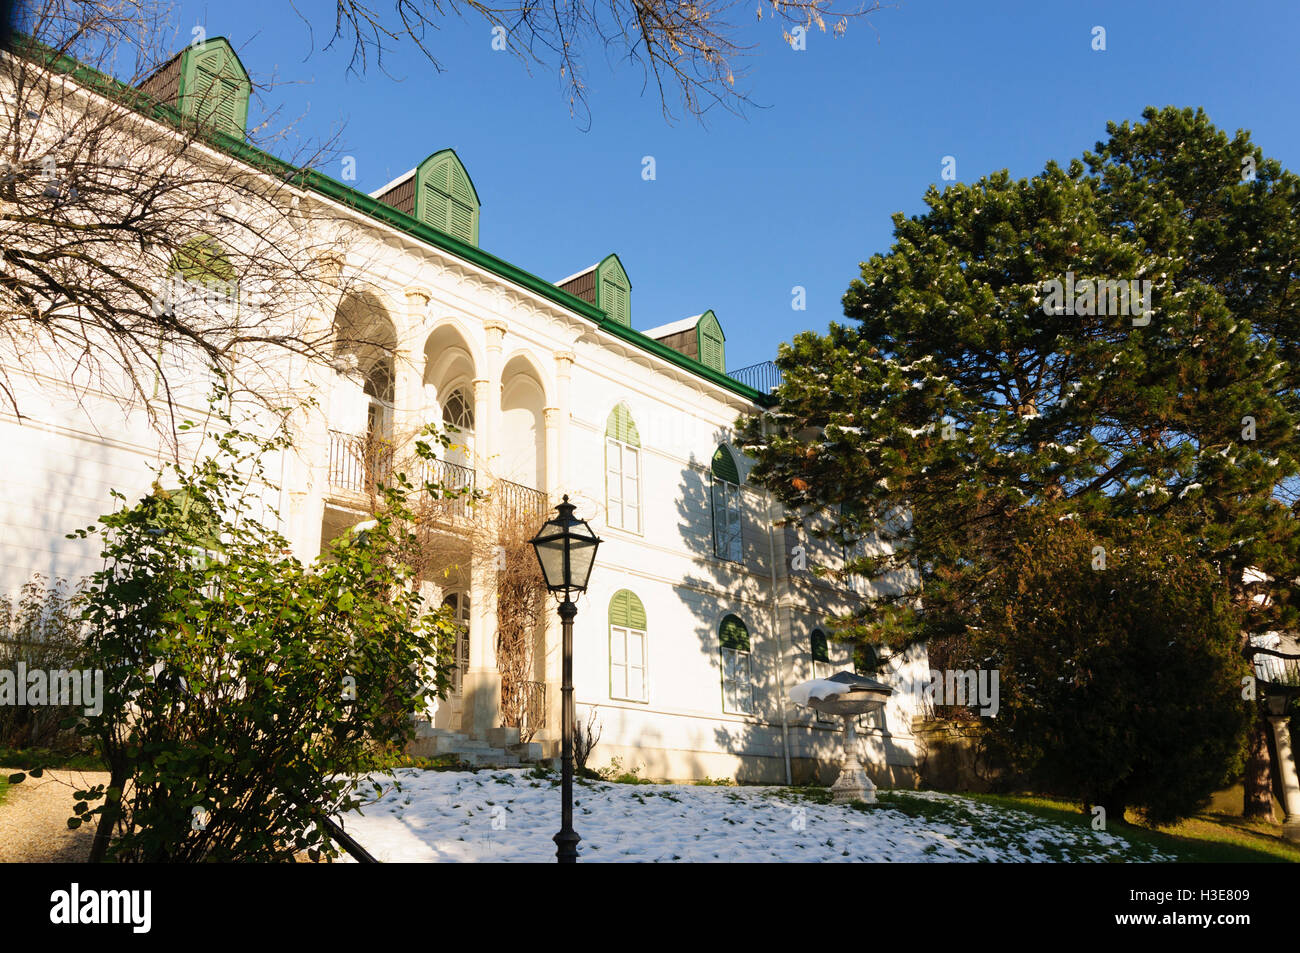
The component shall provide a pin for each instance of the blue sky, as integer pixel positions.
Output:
(801, 189)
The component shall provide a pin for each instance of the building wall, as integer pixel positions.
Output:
(544, 381)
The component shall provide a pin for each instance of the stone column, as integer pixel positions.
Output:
(409, 366)
(496, 331)
(482, 683)
(558, 475)
(482, 400)
(1286, 770)
(563, 410)
(552, 418)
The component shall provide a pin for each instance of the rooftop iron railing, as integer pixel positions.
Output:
(764, 377)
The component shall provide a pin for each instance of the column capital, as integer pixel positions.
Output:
(496, 329)
(564, 361)
(551, 415)
(418, 294)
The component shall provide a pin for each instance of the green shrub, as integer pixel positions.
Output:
(248, 694)
(40, 629)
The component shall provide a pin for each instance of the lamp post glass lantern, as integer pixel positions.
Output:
(566, 551)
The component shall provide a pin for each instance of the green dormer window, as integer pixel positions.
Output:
(614, 291)
(214, 87)
(712, 343)
(445, 197)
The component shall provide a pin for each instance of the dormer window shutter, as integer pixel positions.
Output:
(446, 198)
(216, 88)
(712, 346)
(614, 291)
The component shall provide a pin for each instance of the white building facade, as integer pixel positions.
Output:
(699, 617)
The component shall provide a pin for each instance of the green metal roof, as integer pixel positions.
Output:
(105, 85)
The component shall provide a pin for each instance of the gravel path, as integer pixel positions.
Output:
(34, 818)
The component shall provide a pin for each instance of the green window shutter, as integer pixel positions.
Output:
(626, 611)
(460, 221)
(710, 351)
(215, 88)
(200, 95)
(733, 634)
(820, 648)
(202, 260)
(614, 301)
(711, 346)
(459, 186)
(445, 197)
(724, 466)
(614, 291)
(622, 427)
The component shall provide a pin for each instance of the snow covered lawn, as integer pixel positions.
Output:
(511, 815)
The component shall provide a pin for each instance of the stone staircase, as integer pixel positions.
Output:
(501, 749)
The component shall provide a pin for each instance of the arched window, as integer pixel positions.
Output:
(622, 471)
(737, 676)
(727, 536)
(458, 411)
(202, 278)
(627, 648)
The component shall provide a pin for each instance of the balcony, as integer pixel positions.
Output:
(521, 502)
(358, 464)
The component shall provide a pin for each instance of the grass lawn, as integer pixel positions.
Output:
(508, 815)
(20, 758)
(1209, 837)
(4, 788)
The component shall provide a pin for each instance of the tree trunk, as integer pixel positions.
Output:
(1257, 784)
(1115, 805)
(108, 819)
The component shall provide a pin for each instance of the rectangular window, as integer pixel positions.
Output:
(737, 686)
(627, 664)
(622, 486)
(726, 520)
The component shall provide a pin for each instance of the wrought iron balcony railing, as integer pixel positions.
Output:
(764, 377)
(358, 463)
(456, 482)
(521, 502)
(1276, 668)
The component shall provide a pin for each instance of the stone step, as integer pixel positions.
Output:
(526, 751)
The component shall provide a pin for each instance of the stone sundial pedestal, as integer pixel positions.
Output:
(848, 696)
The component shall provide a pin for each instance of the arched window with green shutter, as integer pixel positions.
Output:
(445, 196)
(728, 542)
(711, 342)
(737, 675)
(614, 290)
(622, 471)
(202, 279)
(628, 651)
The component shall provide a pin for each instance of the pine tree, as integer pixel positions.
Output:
(970, 392)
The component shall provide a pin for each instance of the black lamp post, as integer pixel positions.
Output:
(566, 550)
